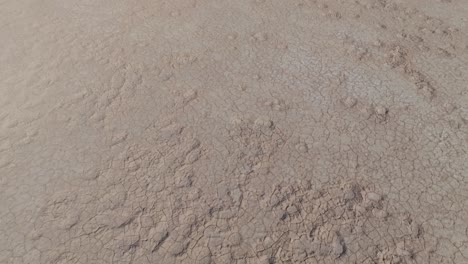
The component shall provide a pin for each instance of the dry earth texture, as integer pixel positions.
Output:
(216, 131)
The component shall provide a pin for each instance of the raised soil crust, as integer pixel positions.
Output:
(219, 131)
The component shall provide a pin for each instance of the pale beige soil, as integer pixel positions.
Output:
(216, 131)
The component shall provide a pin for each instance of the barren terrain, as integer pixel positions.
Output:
(244, 132)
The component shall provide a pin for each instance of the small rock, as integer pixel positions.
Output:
(35, 235)
(360, 210)
(378, 43)
(190, 95)
(338, 211)
(178, 248)
(235, 239)
(367, 111)
(205, 260)
(350, 102)
(275, 200)
(70, 220)
(183, 177)
(349, 195)
(381, 110)
(416, 230)
(263, 122)
(267, 260)
(232, 36)
(325, 250)
(299, 256)
(158, 237)
(302, 147)
(427, 92)
(338, 248)
(242, 87)
(449, 107)
(268, 103)
(260, 36)
(314, 248)
(401, 251)
(203, 255)
(292, 209)
(374, 197)
(236, 121)
(396, 260)
(379, 213)
(119, 138)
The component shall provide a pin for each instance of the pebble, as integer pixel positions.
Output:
(203, 255)
(235, 239)
(232, 36)
(396, 260)
(349, 195)
(338, 248)
(367, 111)
(183, 178)
(190, 95)
(205, 260)
(302, 147)
(242, 87)
(350, 102)
(381, 110)
(360, 209)
(260, 36)
(374, 197)
(415, 230)
(401, 251)
(379, 213)
(292, 209)
(263, 122)
(175, 13)
(427, 92)
(159, 235)
(178, 248)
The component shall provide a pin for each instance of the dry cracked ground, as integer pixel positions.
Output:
(215, 131)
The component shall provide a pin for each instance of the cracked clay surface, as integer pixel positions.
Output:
(244, 132)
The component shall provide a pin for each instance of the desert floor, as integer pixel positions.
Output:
(247, 131)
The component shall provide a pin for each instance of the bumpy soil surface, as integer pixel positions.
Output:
(216, 131)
